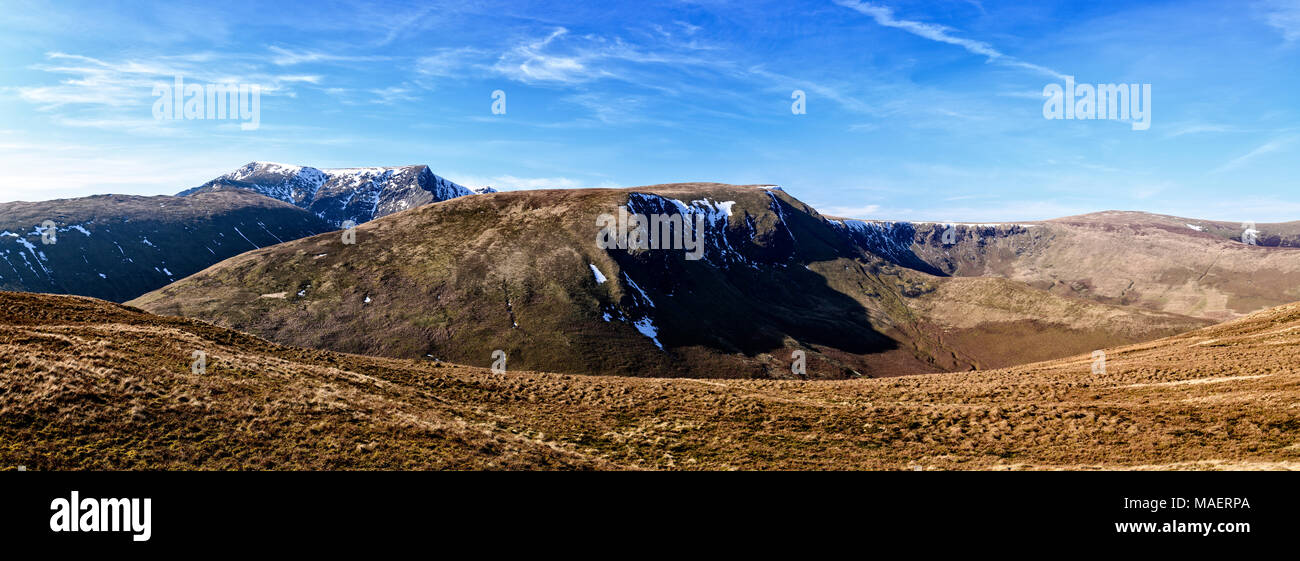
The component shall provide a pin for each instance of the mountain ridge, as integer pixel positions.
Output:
(338, 195)
(118, 247)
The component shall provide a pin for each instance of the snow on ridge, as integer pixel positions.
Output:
(600, 278)
(716, 217)
(372, 191)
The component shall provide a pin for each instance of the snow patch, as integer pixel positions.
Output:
(633, 284)
(647, 328)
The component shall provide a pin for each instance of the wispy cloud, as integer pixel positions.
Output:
(96, 82)
(392, 95)
(531, 63)
(450, 62)
(1266, 148)
(287, 57)
(1283, 15)
(1183, 129)
(943, 34)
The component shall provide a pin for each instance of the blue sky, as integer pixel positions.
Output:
(915, 110)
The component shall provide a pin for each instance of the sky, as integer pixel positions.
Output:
(911, 110)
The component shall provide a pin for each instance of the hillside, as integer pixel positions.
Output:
(1177, 265)
(342, 194)
(91, 385)
(117, 247)
(521, 272)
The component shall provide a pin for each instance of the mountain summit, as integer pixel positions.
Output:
(340, 194)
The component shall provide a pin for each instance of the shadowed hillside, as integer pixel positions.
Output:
(117, 247)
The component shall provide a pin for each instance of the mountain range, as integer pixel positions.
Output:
(257, 335)
(521, 272)
(339, 195)
(118, 247)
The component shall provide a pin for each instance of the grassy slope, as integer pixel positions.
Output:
(997, 322)
(91, 385)
(87, 384)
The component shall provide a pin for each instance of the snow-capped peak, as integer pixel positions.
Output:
(358, 194)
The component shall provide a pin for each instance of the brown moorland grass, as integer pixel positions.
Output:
(92, 385)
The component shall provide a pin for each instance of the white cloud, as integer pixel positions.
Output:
(129, 83)
(1197, 128)
(529, 63)
(43, 171)
(514, 183)
(943, 34)
(1268, 147)
(449, 62)
(392, 94)
(865, 211)
(287, 57)
(1285, 16)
